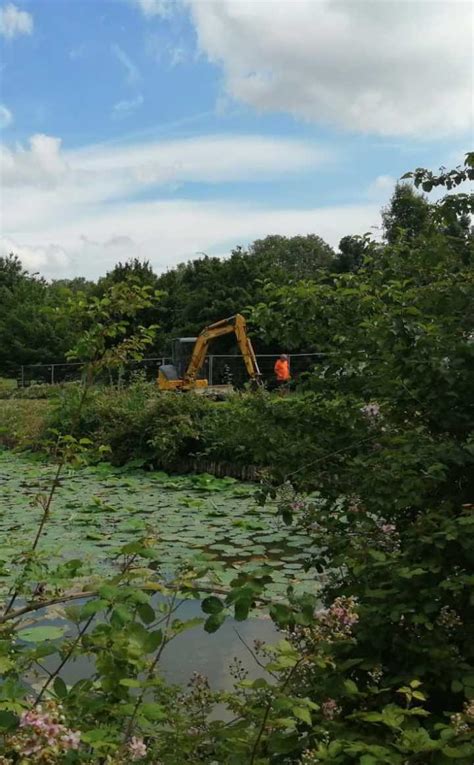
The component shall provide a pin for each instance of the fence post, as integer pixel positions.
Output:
(22, 376)
(211, 369)
(52, 374)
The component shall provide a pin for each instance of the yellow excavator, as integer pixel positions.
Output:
(183, 376)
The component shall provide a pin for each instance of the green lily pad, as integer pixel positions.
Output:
(40, 634)
(97, 510)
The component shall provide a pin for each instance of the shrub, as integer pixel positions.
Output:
(137, 422)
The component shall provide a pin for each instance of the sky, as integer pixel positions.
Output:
(164, 129)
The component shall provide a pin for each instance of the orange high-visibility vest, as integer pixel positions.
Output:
(282, 370)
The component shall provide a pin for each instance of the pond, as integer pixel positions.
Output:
(98, 509)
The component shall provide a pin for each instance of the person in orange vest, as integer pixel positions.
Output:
(282, 371)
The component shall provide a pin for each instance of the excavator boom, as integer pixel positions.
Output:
(234, 324)
(189, 381)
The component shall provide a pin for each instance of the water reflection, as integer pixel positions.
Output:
(193, 651)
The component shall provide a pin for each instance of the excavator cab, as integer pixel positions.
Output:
(189, 354)
(181, 352)
(171, 376)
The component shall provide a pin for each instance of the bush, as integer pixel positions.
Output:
(22, 424)
(137, 422)
(40, 391)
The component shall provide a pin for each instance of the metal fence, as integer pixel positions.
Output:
(218, 368)
(222, 367)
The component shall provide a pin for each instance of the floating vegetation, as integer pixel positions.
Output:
(193, 517)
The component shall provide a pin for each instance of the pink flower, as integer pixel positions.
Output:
(137, 748)
(330, 709)
(371, 410)
(355, 505)
(72, 739)
(297, 505)
(390, 538)
(42, 733)
(337, 620)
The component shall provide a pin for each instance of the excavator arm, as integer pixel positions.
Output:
(235, 324)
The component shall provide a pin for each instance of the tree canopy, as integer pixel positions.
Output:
(262, 280)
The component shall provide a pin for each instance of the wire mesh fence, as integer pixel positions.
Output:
(226, 368)
(41, 374)
(217, 369)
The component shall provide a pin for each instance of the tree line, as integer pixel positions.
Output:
(36, 326)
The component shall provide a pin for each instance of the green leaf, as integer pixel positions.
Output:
(60, 688)
(98, 737)
(419, 695)
(153, 641)
(93, 607)
(39, 634)
(302, 713)
(212, 605)
(153, 711)
(8, 721)
(392, 716)
(281, 614)
(241, 609)
(350, 687)
(6, 663)
(468, 679)
(214, 621)
(146, 613)
(130, 682)
(121, 615)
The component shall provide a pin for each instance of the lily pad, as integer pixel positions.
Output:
(40, 634)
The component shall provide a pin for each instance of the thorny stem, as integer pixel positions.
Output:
(165, 617)
(41, 526)
(28, 609)
(67, 596)
(54, 486)
(253, 654)
(47, 505)
(77, 640)
(164, 642)
(267, 713)
(66, 658)
(46, 671)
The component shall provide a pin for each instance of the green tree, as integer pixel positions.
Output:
(136, 270)
(352, 250)
(209, 288)
(292, 258)
(33, 325)
(406, 216)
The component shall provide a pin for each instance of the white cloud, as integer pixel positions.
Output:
(41, 165)
(80, 211)
(154, 7)
(49, 260)
(6, 117)
(393, 67)
(133, 75)
(169, 232)
(107, 171)
(126, 107)
(381, 189)
(14, 22)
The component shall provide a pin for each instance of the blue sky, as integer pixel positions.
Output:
(163, 128)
